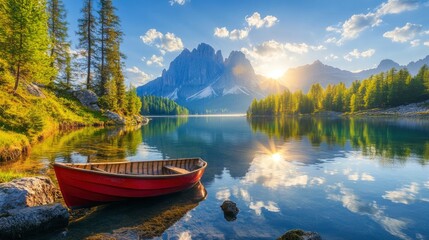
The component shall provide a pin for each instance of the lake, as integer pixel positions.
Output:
(342, 178)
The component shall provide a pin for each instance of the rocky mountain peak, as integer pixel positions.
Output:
(388, 64)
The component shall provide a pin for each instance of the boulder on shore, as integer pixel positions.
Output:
(26, 192)
(230, 210)
(116, 118)
(32, 220)
(88, 99)
(27, 207)
(298, 234)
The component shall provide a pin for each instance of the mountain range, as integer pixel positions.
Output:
(301, 78)
(204, 82)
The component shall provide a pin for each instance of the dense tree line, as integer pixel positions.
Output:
(34, 48)
(153, 105)
(389, 89)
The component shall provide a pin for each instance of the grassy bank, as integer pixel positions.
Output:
(26, 118)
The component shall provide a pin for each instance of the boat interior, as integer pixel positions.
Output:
(165, 167)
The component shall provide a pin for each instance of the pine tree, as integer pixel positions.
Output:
(87, 39)
(25, 40)
(58, 33)
(112, 87)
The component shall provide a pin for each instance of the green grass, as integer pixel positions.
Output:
(7, 176)
(25, 119)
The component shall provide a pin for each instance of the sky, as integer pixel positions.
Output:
(274, 34)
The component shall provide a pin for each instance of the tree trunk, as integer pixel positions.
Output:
(88, 77)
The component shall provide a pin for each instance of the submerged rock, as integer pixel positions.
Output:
(26, 192)
(298, 234)
(32, 220)
(88, 99)
(230, 210)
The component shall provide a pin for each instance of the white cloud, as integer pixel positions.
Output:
(137, 77)
(415, 43)
(404, 34)
(357, 23)
(164, 42)
(331, 57)
(356, 54)
(239, 34)
(256, 21)
(397, 6)
(317, 181)
(333, 29)
(155, 60)
(178, 2)
(331, 40)
(221, 32)
(426, 43)
(405, 195)
(274, 49)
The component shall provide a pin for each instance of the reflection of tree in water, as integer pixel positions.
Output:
(163, 125)
(139, 219)
(393, 140)
(90, 144)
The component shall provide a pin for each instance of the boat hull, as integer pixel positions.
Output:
(87, 188)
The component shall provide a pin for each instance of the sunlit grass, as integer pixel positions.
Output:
(7, 176)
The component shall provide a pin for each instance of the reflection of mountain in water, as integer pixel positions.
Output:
(395, 139)
(222, 142)
(139, 219)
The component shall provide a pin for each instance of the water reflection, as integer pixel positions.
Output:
(139, 219)
(394, 140)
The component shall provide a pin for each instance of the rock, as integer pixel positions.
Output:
(29, 221)
(298, 234)
(230, 210)
(115, 117)
(35, 90)
(88, 99)
(26, 192)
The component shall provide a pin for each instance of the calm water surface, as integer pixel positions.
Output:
(346, 179)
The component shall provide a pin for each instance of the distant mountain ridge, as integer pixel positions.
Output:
(204, 82)
(301, 78)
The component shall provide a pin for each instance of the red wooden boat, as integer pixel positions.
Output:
(90, 184)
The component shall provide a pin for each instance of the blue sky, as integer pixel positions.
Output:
(274, 34)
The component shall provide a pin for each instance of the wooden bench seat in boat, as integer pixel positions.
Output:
(176, 169)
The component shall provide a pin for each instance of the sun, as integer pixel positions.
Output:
(276, 157)
(275, 73)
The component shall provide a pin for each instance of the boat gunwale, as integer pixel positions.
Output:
(69, 166)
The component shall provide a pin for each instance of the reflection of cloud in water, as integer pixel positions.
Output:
(427, 184)
(355, 176)
(269, 206)
(223, 195)
(274, 174)
(376, 213)
(405, 195)
(367, 177)
(317, 181)
(186, 235)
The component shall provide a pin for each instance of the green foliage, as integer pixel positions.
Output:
(87, 40)
(389, 89)
(24, 40)
(133, 103)
(7, 176)
(57, 27)
(153, 105)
